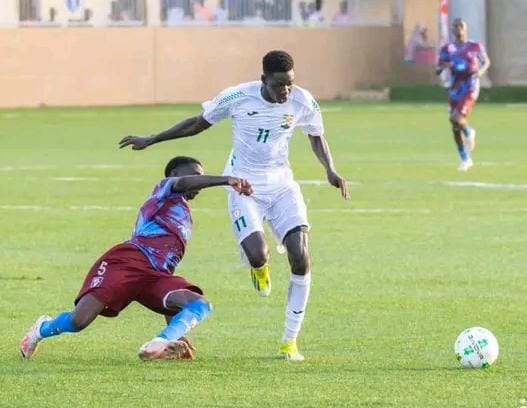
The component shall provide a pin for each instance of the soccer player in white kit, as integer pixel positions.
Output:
(264, 114)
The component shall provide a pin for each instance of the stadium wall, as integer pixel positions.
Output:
(507, 46)
(145, 65)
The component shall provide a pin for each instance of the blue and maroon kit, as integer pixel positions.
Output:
(141, 269)
(465, 59)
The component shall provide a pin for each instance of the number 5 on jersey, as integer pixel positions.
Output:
(263, 134)
(102, 268)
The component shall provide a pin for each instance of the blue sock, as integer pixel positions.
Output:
(60, 324)
(465, 130)
(193, 313)
(462, 153)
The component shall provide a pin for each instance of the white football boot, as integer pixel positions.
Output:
(465, 164)
(162, 349)
(29, 343)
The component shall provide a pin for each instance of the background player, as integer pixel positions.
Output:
(467, 61)
(141, 269)
(264, 114)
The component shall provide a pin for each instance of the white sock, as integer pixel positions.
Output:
(296, 305)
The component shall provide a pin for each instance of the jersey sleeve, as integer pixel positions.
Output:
(311, 122)
(155, 201)
(444, 56)
(220, 107)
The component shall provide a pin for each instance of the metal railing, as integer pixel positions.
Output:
(209, 12)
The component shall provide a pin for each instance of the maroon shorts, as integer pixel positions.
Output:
(463, 105)
(123, 274)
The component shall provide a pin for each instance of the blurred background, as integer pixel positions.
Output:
(107, 52)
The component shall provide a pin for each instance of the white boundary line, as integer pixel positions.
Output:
(488, 186)
(23, 168)
(124, 208)
(103, 166)
(316, 183)
(95, 178)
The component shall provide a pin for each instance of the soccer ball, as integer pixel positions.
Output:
(476, 348)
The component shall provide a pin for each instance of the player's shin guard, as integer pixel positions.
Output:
(191, 314)
(60, 324)
(297, 297)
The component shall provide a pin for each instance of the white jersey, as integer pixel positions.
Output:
(262, 130)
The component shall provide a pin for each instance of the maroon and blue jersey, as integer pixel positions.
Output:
(465, 59)
(163, 227)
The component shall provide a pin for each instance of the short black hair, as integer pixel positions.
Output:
(277, 61)
(179, 161)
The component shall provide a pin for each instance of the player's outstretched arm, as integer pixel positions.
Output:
(187, 127)
(191, 183)
(321, 149)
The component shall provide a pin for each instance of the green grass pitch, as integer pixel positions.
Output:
(419, 253)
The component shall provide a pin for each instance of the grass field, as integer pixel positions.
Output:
(419, 253)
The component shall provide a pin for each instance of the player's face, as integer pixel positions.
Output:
(278, 85)
(189, 169)
(459, 28)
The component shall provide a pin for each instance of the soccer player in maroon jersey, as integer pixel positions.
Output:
(467, 62)
(141, 269)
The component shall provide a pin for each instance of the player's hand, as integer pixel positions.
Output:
(240, 185)
(339, 182)
(137, 142)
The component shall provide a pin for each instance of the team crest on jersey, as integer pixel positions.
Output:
(96, 281)
(287, 121)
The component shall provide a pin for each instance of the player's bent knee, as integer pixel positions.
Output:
(256, 249)
(457, 119)
(178, 299)
(257, 257)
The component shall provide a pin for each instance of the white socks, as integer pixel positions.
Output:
(296, 305)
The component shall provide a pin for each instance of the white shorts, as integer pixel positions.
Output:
(283, 210)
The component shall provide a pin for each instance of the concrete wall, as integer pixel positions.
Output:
(76, 66)
(142, 65)
(8, 14)
(507, 41)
